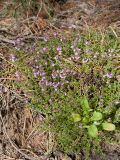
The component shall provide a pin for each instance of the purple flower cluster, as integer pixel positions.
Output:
(108, 75)
(45, 83)
(55, 74)
(39, 71)
(60, 73)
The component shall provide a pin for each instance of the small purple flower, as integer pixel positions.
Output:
(36, 73)
(12, 57)
(108, 75)
(55, 34)
(42, 73)
(62, 74)
(54, 74)
(45, 49)
(43, 78)
(59, 49)
(50, 83)
(55, 85)
(43, 82)
(78, 50)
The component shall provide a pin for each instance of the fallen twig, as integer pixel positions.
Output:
(21, 39)
(5, 30)
(3, 39)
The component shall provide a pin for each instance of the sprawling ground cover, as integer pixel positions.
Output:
(74, 81)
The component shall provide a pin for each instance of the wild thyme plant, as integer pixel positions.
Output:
(75, 83)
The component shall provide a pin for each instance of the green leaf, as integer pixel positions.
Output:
(85, 119)
(108, 126)
(76, 117)
(93, 131)
(96, 116)
(85, 105)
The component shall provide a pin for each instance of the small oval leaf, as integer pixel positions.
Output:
(108, 126)
(93, 131)
(85, 105)
(96, 116)
(76, 117)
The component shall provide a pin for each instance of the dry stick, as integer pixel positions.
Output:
(24, 38)
(40, 9)
(13, 145)
(46, 10)
(31, 133)
(2, 39)
(5, 30)
(31, 37)
(29, 18)
(114, 31)
(29, 151)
